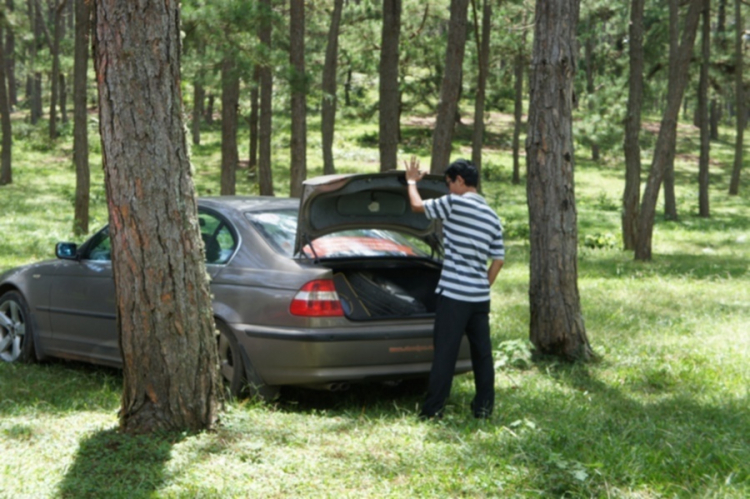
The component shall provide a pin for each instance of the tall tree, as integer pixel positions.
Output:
(483, 49)
(739, 93)
(54, 42)
(34, 79)
(666, 140)
(6, 173)
(252, 121)
(588, 54)
(450, 90)
(518, 64)
(557, 326)
(670, 202)
(389, 93)
(10, 58)
(632, 195)
(703, 201)
(298, 85)
(265, 122)
(164, 313)
(230, 96)
(720, 45)
(80, 115)
(328, 107)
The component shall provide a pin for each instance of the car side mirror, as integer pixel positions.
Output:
(66, 251)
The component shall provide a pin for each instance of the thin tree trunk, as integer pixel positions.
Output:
(80, 116)
(253, 121)
(63, 99)
(199, 98)
(442, 138)
(665, 143)
(35, 82)
(716, 109)
(739, 92)
(632, 195)
(54, 78)
(557, 326)
(590, 88)
(328, 108)
(230, 94)
(670, 203)
(6, 173)
(164, 314)
(10, 60)
(483, 47)
(298, 142)
(210, 109)
(265, 176)
(518, 105)
(703, 200)
(389, 95)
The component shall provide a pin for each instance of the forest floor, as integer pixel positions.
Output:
(664, 412)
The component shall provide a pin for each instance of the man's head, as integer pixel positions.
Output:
(462, 168)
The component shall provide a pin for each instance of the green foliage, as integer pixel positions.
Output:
(600, 240)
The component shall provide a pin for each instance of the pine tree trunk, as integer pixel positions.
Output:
(80, 116)
(666, 141)
(265, 176)
(230, 95)
(389, 95)
(590, 88)
(328, 107)
(703, 179)
(739, 92)
(55, 77)
(6, 172)
(484, 61)
(557, 326)
(253, 122)
(164, 313)
(670, 204)
(632, 195)
(298, 142)
(10, 60)
(519, 64)
(199, 97)
(442, 138)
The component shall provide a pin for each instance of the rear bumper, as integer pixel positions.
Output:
(284, 356)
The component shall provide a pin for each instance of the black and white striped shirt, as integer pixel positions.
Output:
(472, 235)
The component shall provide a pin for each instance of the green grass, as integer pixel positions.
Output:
(663, 413)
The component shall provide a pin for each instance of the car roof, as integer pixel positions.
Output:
(248, 203)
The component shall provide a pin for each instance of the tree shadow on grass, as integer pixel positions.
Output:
(112, 464)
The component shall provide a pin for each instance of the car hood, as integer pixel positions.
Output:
(333, 203)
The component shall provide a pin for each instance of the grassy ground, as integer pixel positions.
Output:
(664, 413)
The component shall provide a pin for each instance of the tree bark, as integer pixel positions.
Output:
(632, 195)
(389, 95)
(10, 60)
(265, 177)
(80, 116)
(483, 47)
(739, 92)
(670, 203)
(230, 96)
(164, 314)
(6, 172)
(557, 326)
(298, 142)
(518, 104)
(442, 137)
(328, 108)
(665, 143)
(703, 200)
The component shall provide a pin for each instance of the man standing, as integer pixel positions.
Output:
(472, 235)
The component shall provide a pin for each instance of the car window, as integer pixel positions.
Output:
(101, 247)
(279, 228)
(218, 238)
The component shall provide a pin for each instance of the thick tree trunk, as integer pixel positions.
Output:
(739, 92)
(298, 145)
(389, 95)
(557, 326)
(632, 196)
(6, 173)
(230, 95)
(666, 141)
(703, 201)
(442, 138)
(265, 176)
(483, 47)
(80, 116)
(670, 203)
(328, 108)
(164, 313)
(519, 64)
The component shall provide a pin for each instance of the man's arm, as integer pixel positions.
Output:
(494, 269)
(413, 175)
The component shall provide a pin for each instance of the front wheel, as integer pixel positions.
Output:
(16, 334)
(237, 370)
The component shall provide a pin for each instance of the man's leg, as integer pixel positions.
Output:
(450, 322)
(478, 333)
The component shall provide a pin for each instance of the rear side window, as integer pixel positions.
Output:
(218, 238)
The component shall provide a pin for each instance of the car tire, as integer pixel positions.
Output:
(16, 330)
(237, 370)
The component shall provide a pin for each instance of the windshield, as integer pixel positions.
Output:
(279, 228)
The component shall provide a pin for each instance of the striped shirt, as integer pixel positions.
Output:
(472, 235)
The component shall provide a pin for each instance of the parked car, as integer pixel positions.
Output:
(335, 288)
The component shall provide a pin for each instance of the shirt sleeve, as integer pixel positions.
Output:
(439, 208)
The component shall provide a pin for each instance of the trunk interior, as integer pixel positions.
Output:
(386, 291)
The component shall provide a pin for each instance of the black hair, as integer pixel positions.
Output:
(465, 169)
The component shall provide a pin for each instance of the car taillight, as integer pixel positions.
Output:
(317, 299)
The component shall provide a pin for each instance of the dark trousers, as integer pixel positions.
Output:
(452, 319)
